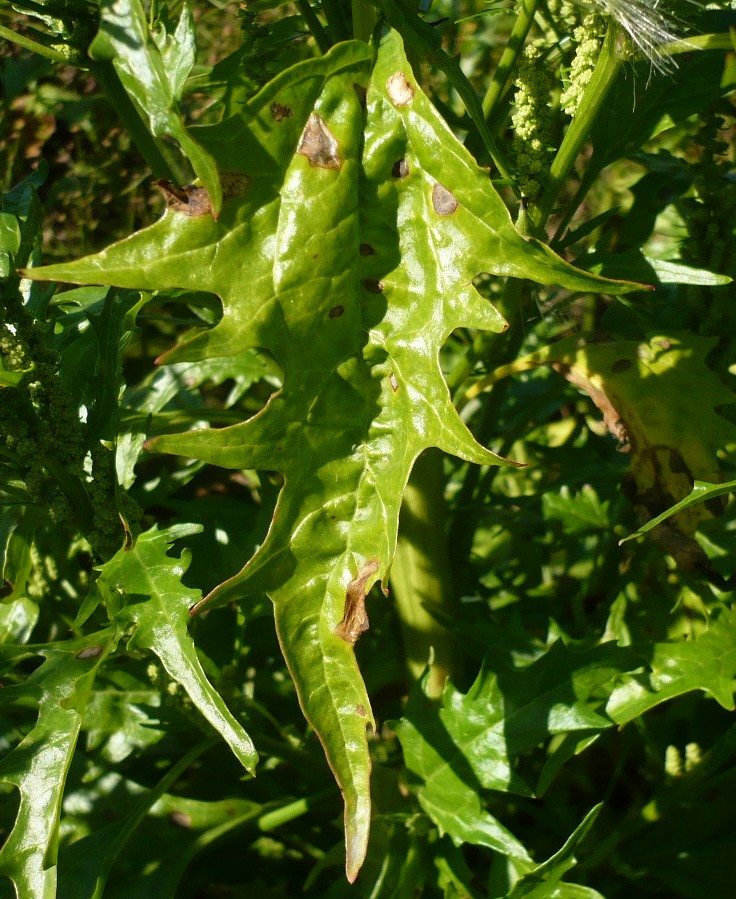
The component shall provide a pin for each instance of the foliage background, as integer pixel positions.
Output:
(589, 717)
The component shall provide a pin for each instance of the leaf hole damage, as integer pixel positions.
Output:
(373, 286)
(280, 112)
(355, 618)
(400, 168)
(399, 89)
(336, 312)
(89, 652)
(366, 250)
(443, 201)
(393, 382)
(318, 144)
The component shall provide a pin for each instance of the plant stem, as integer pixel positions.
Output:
(337, 22)
(507, 63)
(603, 78)
(159, 158)
(421, 575)
(28, 44)
(314, 25)
(364, 20)
(295, 809)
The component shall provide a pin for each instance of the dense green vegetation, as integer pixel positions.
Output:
(367, 442)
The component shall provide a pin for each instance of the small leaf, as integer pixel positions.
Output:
(39, 764)
(157, 606)
(707, 663)
(702, 491)
(471, 743)
(543, 881)
(152, 68)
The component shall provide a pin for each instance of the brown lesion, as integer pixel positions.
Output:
(318, 144)
(399, 89)
(444, 202)
(280, 112)
(355, 618)
(194, 200)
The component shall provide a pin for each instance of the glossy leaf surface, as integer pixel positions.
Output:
(353, 227)
(471, 743)
(37, 767)
(147, 583)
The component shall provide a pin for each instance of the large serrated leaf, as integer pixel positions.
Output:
(348, 247)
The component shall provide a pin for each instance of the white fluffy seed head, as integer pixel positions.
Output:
(649, 24)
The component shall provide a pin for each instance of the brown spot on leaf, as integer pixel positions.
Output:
(360, 709)
(319, 145)
(373, 286)
(621, 365)
(366, 249)
(611, 415)
(393, 382)
(233, 184)
(180, 819)
(336, 311)
(280, 112)
(90, 652)
(355, 619)
(192, 201)
(399, 89)
(400, 169)
(443, 201)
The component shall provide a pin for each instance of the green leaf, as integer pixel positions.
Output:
(635, 265)
(39, 764)
(85, 865)
(579, 514)
(348, 249)
(702, 492)
(472, 742)
(543, 881)
(707, 663)
(152, 68)
(157, 607)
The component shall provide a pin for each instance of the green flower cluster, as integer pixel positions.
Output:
(588, 37)
(530, 118)
(43, 440)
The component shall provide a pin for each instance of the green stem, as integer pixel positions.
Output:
(337, 22)
(314, 25)
(277, 817)
(507, 63)
(364, 20)
(603, 78)
(159, 158)
(421, 577)
(27, 44)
